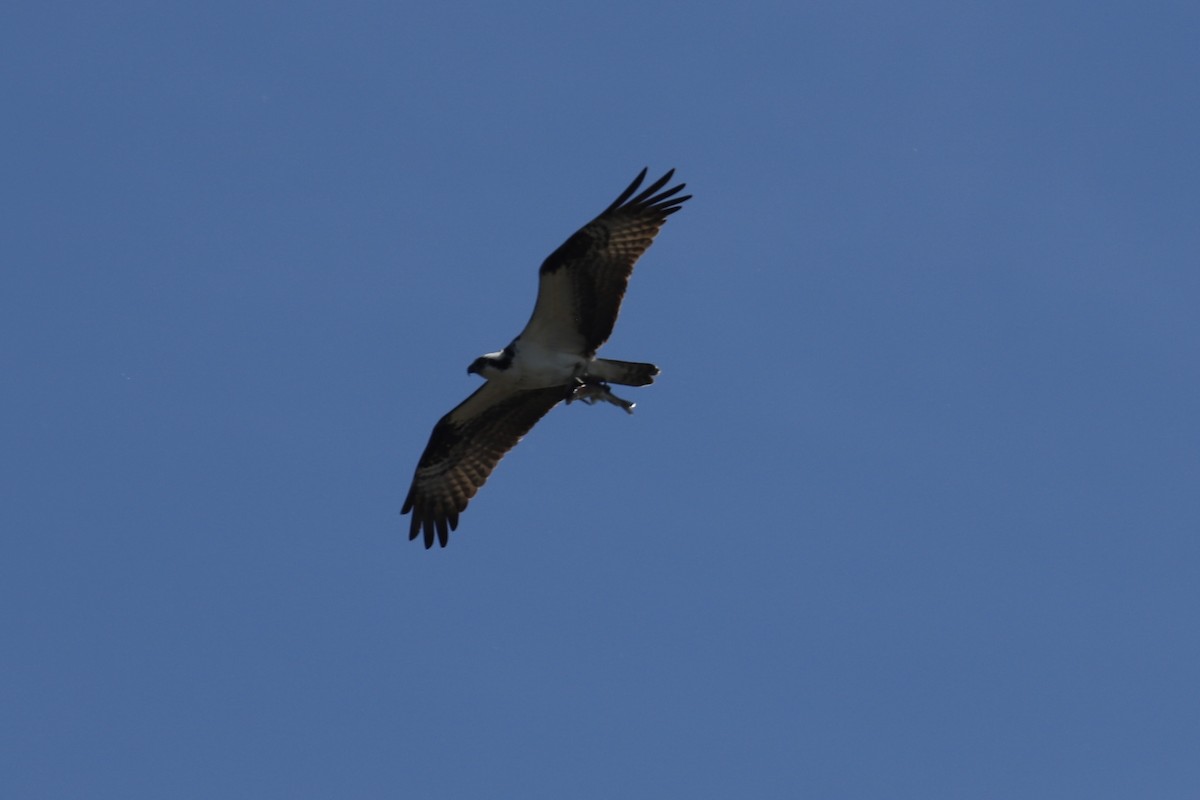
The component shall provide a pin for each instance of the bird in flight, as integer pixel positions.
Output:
(580, 287)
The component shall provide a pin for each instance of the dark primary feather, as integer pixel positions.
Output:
(464, 448)
(601, 255)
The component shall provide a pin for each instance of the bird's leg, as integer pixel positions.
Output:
(590, 390)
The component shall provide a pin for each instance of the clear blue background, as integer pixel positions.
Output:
(911, 513)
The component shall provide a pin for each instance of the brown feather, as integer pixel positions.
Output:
(464, 448)
(601, 254)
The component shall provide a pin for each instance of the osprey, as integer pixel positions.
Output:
(553, 359)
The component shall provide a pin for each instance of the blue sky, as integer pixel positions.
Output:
(912, 511)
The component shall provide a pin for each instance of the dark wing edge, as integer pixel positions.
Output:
(648, 198)
(602, 253)
(464, 448)
(648, 208)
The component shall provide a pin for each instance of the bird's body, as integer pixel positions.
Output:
(553, 359)
(534, 365)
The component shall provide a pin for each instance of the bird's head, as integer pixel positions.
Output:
(491, 363)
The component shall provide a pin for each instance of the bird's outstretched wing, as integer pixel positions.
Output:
(582, 283)
(465, 447)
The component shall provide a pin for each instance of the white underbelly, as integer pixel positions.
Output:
(536, 368)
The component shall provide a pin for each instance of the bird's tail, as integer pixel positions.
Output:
(626, 373)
